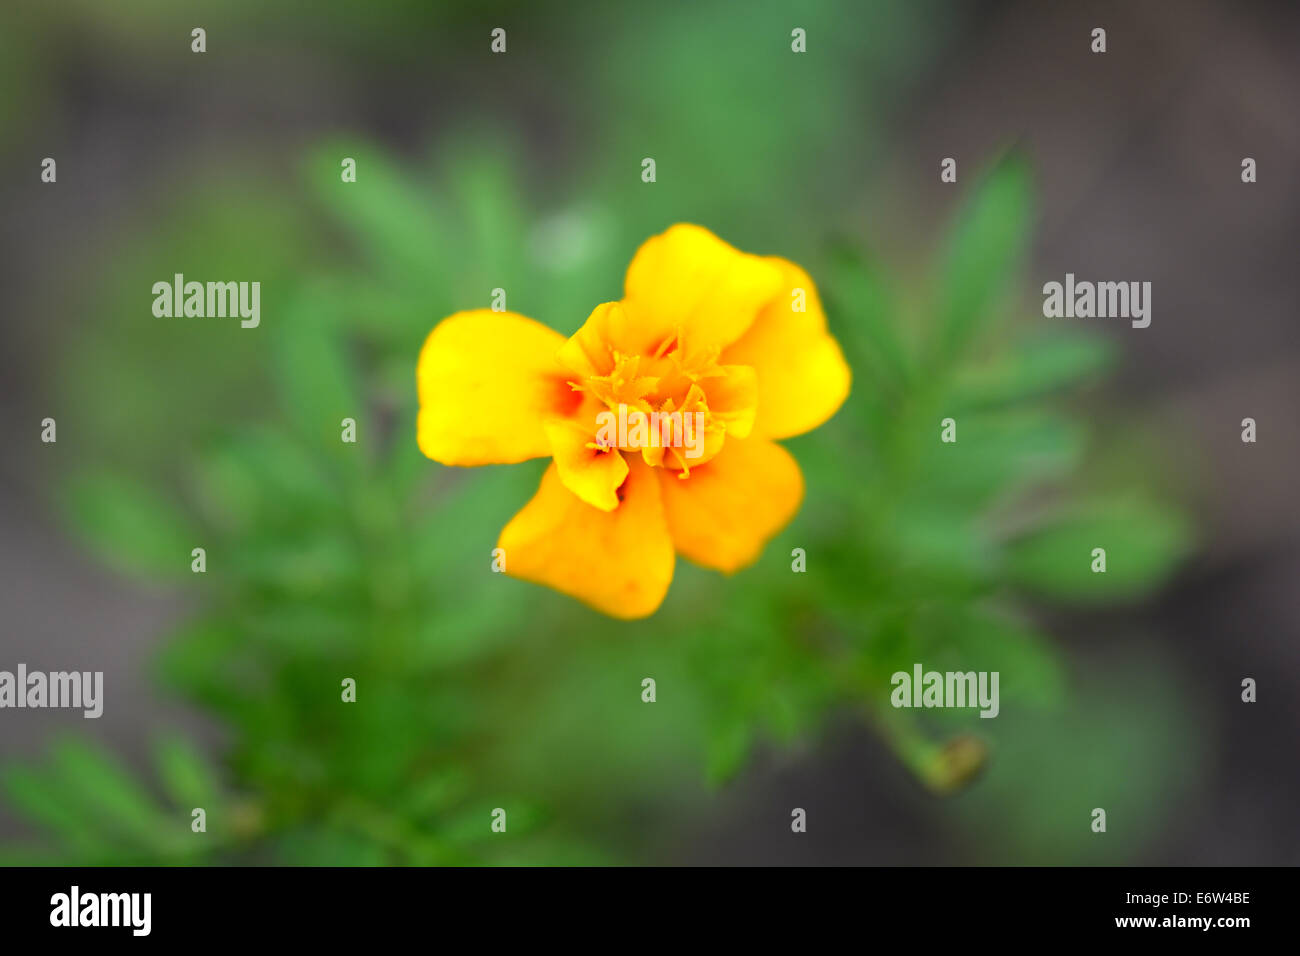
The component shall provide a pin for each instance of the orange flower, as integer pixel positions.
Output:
(659, 416)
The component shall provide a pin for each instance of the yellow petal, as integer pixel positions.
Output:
(802, 376)
(591, 474)
(487, 382)
(589, 351)
(620, 562)
(723, 514)
(699, 439)
(688, 279)
(733, 398)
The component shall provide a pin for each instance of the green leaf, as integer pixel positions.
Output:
(321, 846)
(133, 529)
(473, 825)
(1039, 366)
(186, 776)
(110, 795)
(40, 797)
(300, 564)
(862, 312)
(198, 660)
(994, 453)
(318, 385)
(986, 246)
(933, 539)
(728, 747)
(487, 191)
(1143, 543)
(262, 481)
(972, 638)
(407, 465)
(392, 217)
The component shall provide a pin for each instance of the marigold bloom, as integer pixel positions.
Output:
(703, 330)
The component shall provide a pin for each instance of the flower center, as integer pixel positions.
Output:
(660, 404)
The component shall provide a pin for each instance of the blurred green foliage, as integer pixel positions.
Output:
(327, 560)
(367, 561)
